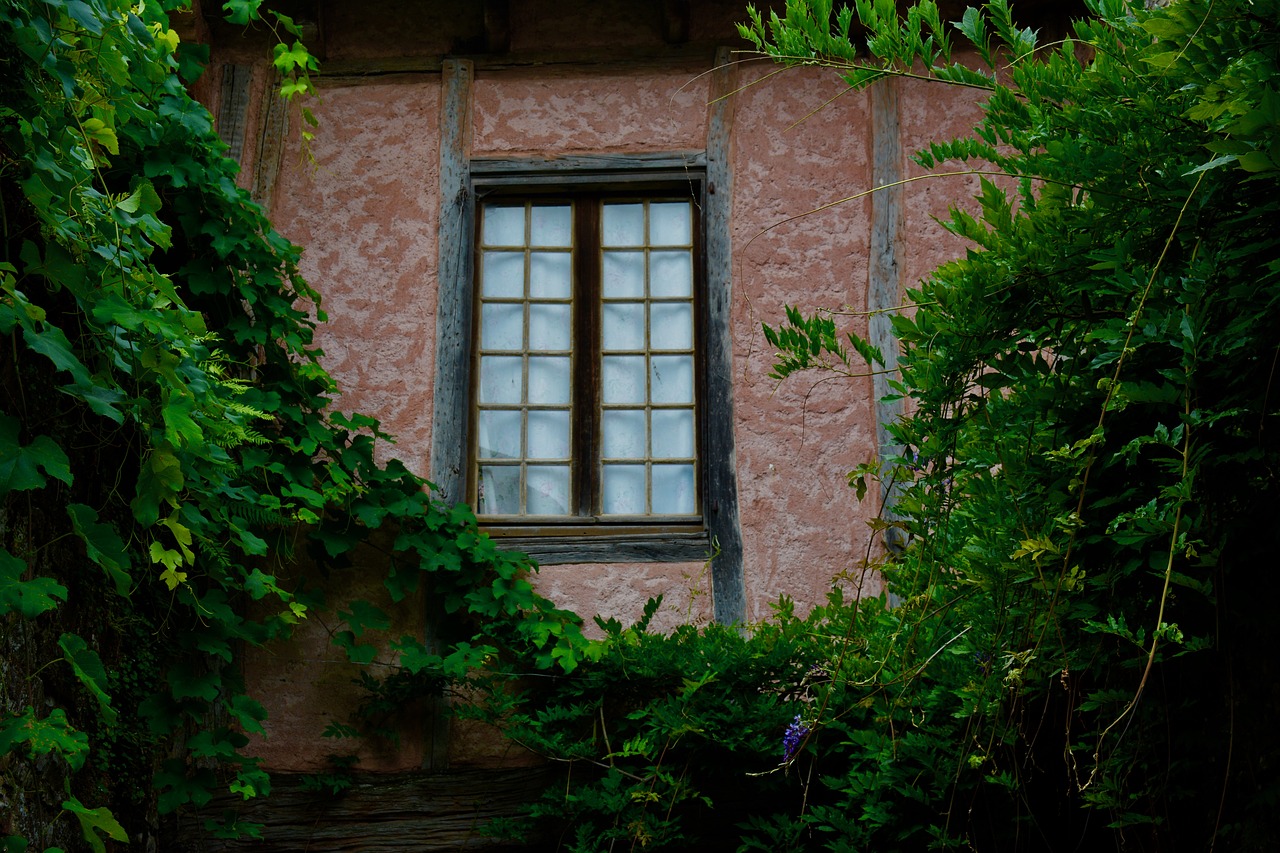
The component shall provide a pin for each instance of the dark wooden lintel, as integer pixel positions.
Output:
(497, 26)
(675, 21)
(648, 167)
(628, 59)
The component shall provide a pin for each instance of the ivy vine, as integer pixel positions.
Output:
(167, 445)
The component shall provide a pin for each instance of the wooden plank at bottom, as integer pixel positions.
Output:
(388, 813)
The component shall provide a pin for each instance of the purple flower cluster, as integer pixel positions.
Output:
(791, 740)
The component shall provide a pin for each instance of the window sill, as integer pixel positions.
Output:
(556, 545)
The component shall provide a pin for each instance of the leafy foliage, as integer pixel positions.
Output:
(1082, 654)
(166, 445)
(1092, 386)
(673, 738)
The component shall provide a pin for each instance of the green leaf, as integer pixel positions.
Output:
(1212, 164)
(52, 343)
(95, 821)
(186, 683)
(1257, 161)
(248, 713)
(177, 788)
(363, 616)
(159, 481)
(416, 657)
(97, 130)
(82, 13)
(29, 598)
(53, 734)
(241, 11)
(88, 668)
(103, 545)
(20, 466)
(1164, 28)
(131, 203)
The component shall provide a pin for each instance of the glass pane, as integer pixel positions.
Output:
(547, 489)
(623, 326)
(623, 490)
(500, 379)
(623, 379)
(502, 326)
(499, 489)
(551, 226)
(503, 226)
(623, 225)
(550, 275)
(499, 434)
(671, 325)
(671, 379)
(549, 327)
(623, 274)
(670, 224)
(673, 490)
(549, 434)
(670, 274)
(548, 380)
(503, 275)
(672, 433)
(624, 434)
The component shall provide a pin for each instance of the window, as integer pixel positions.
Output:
(585, 371)
(573, 441)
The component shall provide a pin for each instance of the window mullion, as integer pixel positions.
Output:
(586, 371)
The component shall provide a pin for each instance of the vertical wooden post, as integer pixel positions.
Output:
(452, 403)
(884, 289)
(233, 108)
(271, 144)
(728, 589)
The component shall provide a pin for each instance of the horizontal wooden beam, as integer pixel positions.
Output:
(623, 548)
(387, 813)
(662, 56)
(590, 168)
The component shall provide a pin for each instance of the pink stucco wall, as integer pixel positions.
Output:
(796, 440)
(366, 213)
(930, 112)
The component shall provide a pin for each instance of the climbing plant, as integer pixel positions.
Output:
(1091, 458)
(168, 450)
(1081, 658)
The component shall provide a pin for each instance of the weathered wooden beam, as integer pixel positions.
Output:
(233, 108)
(422, 812)
(622, 548)
(589, 168)
(631, 58)
(497, 26)
(452, 401)
(884, 291)
(675, 21)
(728, 587)
(271, 143)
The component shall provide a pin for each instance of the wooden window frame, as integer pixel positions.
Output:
(586, 539)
